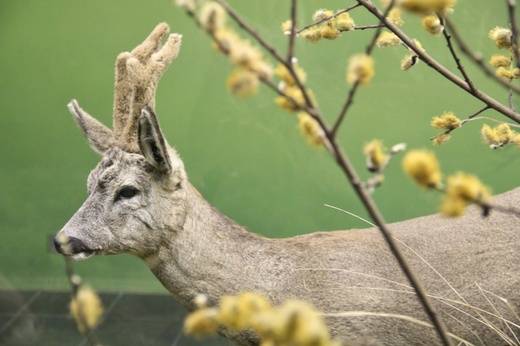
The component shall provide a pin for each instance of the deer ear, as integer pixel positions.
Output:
(151, 141)
(98, 135)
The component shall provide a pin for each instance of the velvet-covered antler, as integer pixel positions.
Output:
(137, 75)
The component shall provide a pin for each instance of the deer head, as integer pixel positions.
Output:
(139, 172)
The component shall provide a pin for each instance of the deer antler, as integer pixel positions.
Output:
(137, 75)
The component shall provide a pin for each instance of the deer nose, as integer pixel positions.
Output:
(58, 245)
(71, 246)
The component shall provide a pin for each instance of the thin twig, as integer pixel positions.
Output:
(343, 112)
(470, 117)
(327, 18)
(376, 178)
(352, 92)
(447, 36)
(421, 293)
(75, 283)
(364, 27)
(369, 5)
(292, 35)
(510, 96)
(378, 219)
(308, 109)
(477, 59)
(511, 7)
(231, 12)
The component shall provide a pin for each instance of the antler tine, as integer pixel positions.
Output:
(122, 95)
(152, 43)
(137, 76)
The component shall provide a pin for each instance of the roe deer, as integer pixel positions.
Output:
(140, 202)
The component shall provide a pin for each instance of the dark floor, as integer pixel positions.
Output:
(42, 318)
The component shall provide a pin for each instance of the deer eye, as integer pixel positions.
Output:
(127, 192)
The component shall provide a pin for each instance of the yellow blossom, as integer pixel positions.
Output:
(312, 34)
(227, 39)
(447, 121)
(387, 39)
(284, 74)
(322, 14)
(311, 129)
(329, 32)
(262, 68)
(515, 139)
(504, 132)
(360, 69)
(295, 94)
(298, 323)
(212, 16)
(498, 136)
(345, 21)
(501, 37)
(498, 60)
(423, 167)
(375, 155)
(412, 59)
(426, 7)
(432, 24)
(515, 73)
(409, 61)
(187, 5)
(242, 82)
(286, 26)
(292, 323)
(243, 53)
(490, 137)
(504, 73)
(467, 187)
(452, 207)
(395, 16)
(462, 188)
(86, 308)
(240, 52)
(441, 139)
(417, 44)
(202, 322)
(236, 312)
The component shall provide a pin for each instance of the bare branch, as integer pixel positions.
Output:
(511, 7)
(292, 35)
(346, 105)
(352, 92)
(477, 59)
(376, 26)
(491, 102)
(447, 36)
(269, 48)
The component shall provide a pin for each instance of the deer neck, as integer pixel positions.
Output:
(212, 255)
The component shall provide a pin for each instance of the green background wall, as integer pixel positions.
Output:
(245, 155)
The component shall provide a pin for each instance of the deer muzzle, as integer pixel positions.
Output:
(72, 247)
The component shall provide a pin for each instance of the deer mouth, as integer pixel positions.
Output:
(82, 255)
(75, 249)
